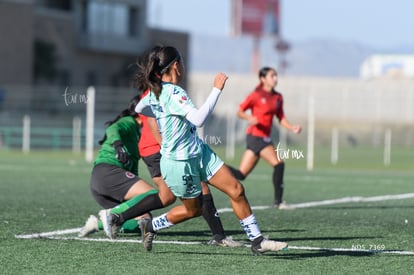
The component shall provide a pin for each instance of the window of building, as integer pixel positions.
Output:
(45, 60)
(64, 5)
(108, 18)
(64, 78)
(115, 80)
(91, 78)
(133, 21)
(83, 16)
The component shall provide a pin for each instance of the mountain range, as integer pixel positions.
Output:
(314, 57)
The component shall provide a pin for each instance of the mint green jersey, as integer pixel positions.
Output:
(126, 130)
(179, 136)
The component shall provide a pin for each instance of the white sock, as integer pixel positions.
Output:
(161, 222)
(251, 228)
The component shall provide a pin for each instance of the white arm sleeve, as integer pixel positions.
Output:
(144, 109)
(139, 107)
(199, 116)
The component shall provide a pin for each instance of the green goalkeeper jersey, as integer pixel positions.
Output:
(127, 131)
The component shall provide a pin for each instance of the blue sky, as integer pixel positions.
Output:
(376, 23)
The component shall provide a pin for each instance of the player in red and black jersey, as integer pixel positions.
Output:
(265, 103)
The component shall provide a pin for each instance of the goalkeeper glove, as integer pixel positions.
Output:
(121, 153)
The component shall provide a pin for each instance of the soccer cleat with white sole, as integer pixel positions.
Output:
(226, 242)
(284, 206)
(108, 222)
(268, 245)
(90, 227)
(147, 236)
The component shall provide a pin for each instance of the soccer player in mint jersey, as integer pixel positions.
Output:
(185, 160)
(265, 103)
(114, 177)
(149, 149)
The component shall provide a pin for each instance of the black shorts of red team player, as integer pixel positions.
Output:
(109, 184)
(153, 164)
(257, 144)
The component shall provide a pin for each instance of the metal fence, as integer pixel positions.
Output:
(52, 112)
(360, 111)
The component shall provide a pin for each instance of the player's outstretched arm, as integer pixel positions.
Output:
(199, 116)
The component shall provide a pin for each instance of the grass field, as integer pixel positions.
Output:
(48, 191)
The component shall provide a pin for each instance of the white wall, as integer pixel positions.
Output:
(362, 110)
(382, 101)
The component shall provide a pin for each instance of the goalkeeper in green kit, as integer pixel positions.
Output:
(114, 180)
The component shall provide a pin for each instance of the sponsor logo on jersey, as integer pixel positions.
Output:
(182, 99)
(263, 100)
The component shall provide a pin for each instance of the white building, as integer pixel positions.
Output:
(390, 66)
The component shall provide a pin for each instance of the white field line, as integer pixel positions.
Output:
(335, 201)
(309, 248)
(57, 235)
(51, 237)
(223, 210)
(49, 234)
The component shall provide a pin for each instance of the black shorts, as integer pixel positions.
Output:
(256, 144)
(109, 184)
(153, 164)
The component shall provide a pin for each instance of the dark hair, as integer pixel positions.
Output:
(130, 111)
(138, 79)
(263, 72)
(153, 64)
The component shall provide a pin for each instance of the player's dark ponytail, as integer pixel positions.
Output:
(130, 111)
(153, 64)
